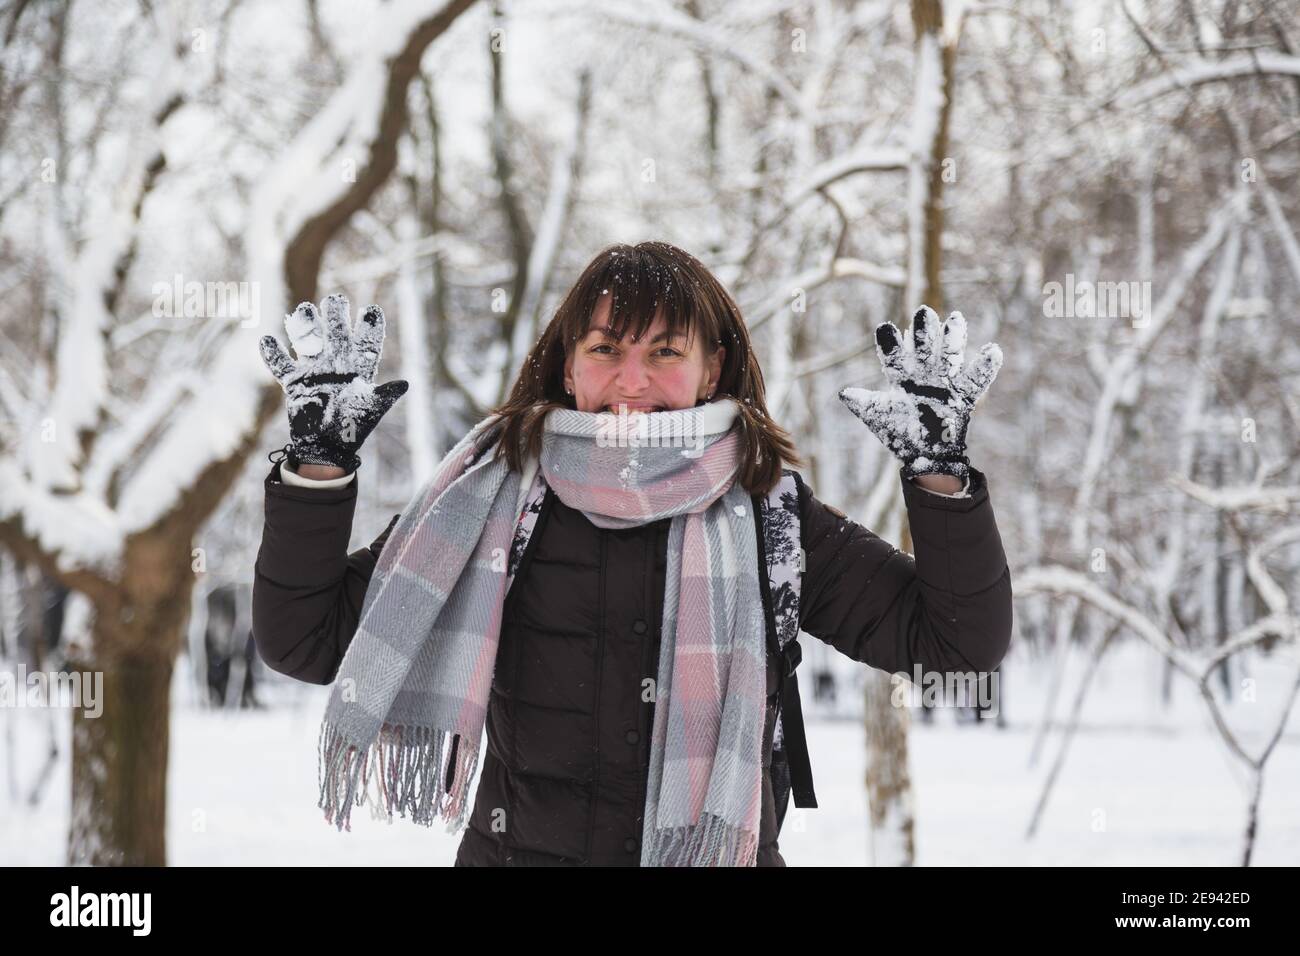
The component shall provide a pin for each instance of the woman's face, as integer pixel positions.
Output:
(653, 374)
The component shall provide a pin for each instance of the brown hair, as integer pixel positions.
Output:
(646, 280)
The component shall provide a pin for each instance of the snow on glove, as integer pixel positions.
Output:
(332, 400)
(922, 420)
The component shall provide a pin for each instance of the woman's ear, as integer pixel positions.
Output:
(568, 373)
(715, 371)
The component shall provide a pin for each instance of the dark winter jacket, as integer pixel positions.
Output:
(563, 777)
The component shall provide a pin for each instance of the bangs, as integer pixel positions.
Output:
(635, 286)
(640, 287)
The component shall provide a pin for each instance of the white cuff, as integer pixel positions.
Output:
(964, 493)
(291, 477)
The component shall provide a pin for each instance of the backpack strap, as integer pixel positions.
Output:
(782, 547)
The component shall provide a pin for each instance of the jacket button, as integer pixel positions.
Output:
(639, 626)
(632, 736)
(630, 844)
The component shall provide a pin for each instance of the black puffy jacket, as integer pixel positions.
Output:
(563, 777)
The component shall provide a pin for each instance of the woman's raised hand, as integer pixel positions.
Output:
(923, 418)
(332, 400)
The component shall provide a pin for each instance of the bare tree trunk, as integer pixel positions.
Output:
(888, 781)
(927, 23)
(119, 766)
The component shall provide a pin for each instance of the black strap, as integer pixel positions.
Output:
(284, 454)
(794, 743)
(451, 761)
(287, 453)
(794, 739)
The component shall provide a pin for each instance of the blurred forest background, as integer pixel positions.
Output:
(1110, 190)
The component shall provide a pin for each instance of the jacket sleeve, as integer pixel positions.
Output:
(307, 589)
(946, 609)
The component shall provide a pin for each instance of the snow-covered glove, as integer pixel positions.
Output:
(332, 400)
(922, 420)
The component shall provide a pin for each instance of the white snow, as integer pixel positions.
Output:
(302, 181)
(79, 530)
(1254, 63)
(242, 786)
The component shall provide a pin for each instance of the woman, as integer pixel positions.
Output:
(584, 575)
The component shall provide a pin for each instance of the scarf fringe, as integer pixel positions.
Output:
(410, 763)
(409, 767)
(711, 842)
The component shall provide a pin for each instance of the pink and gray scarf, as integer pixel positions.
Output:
(411, 695)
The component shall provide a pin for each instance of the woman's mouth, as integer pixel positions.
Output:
(633, 407)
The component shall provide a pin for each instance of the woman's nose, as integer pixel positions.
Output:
(632, 376)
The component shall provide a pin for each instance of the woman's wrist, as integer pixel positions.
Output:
(319, 472)
(944, 484)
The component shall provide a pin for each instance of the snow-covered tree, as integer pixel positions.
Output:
(133, 430)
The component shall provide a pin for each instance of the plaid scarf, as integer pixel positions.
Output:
(411, 695)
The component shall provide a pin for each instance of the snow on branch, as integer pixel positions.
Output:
(871, 159)
(1240, 497)
(545, 250)
(662, 19)
(1201, 668)
(1125, 360)
(90, 285)
(1054, 579)
(837, 268)
(301, 201)
(1058, 580)
(68, 532)
(1285, 234)
(1255, 63)
(1274, 594)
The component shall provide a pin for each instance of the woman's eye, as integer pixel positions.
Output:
(664, 352)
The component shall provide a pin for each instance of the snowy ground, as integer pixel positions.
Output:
(1143, 785)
